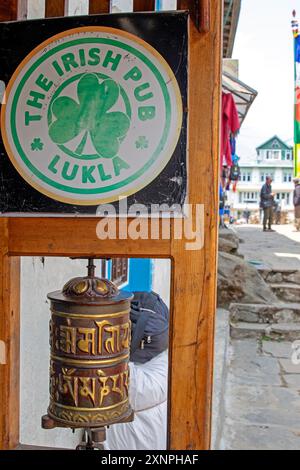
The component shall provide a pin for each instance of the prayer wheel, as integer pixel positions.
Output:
(90, 341)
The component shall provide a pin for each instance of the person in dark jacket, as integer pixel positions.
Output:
(297, 203)
(267, 203)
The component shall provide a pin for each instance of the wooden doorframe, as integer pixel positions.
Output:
(193, 290)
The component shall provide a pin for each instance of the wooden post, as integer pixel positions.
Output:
(143, 5)
(194, 272)
(204, 16)
(99, 6)
(55, 8)
(200, 11)
(9, 343)
(9, 307)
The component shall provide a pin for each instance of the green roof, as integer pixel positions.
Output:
(269, 144)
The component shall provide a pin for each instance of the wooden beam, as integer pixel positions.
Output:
(204, 16)
(76, 237)
(200, 11)
(56, 8)
(8, 10)
(99, 6)
(9, 343)
(143, 5)
(194, 272)
(9, 314)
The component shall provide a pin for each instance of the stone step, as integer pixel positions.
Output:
(287, 292)
(265, 314)
(277, 276)
(279, 332)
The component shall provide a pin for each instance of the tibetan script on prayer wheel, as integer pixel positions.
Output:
(90, 340)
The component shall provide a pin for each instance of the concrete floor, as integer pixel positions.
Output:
(262, 391)
(262, 402)
(280, 249)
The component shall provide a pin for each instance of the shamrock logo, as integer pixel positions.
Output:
(37, 144)
(142, 143)
(91, 115)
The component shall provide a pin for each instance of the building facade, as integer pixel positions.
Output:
(274, 158)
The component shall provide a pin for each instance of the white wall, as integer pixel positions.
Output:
(161, 278)
(78, 7)
(122, 5)
(37, 280)
(36, 9)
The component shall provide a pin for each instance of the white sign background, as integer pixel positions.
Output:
(142, 153)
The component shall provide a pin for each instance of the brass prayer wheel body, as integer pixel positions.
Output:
(90, 340)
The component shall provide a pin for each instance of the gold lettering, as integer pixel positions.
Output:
(120, 390)
(105, 389)
(125, 328)
(126, 379)
(69, 384)
(88, 388)
(87, 344)
(112, 344)
(51, 334)
(68, 339)
(101, 325)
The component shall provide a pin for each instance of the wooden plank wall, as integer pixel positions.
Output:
(56, 8)
(99, 6)
(143, 5)
(10, 343)
(193, 274)
(8, 10)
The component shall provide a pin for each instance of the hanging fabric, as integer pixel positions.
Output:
(230, 127)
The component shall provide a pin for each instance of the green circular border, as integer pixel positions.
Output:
(123, 93)
(133, 177)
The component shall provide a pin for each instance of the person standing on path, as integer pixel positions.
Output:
(267, 203)
(297, 203)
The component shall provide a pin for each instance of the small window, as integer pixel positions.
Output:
(246, 176)
(288, 177)
(119, 271)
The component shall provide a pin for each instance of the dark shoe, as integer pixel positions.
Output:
(271, 230)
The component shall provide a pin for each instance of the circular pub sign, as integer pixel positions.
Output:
(91, 115)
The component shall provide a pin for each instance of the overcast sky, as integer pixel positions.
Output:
(264, 47)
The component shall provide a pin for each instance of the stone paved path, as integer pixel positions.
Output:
(275, 250)
(262, 393)
(262, 397)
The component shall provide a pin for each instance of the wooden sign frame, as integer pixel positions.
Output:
(193, 292)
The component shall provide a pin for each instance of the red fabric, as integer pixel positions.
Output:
(230, 125)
